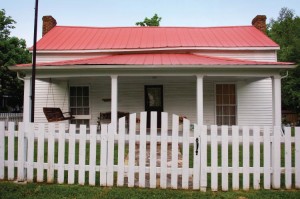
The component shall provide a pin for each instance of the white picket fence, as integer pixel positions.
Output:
(11, 117)
(216, 158)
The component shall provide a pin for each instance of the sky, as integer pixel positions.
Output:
(110, 13)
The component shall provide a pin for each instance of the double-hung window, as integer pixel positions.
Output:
(226, 104)
(79, 105)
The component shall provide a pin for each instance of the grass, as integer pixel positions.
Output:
(35, 190)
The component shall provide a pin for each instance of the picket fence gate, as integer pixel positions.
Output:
(111, 158)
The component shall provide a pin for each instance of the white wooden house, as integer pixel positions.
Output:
(211, 75)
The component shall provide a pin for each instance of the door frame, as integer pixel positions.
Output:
(147, 107)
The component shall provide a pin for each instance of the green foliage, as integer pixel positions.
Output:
(6, 23)
(41, 190)
(12, 51)
(154, 21)
(285, 30)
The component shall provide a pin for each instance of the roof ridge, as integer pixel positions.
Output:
(153, 27)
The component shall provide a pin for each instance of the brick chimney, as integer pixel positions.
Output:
(48, 23)
(259, 22)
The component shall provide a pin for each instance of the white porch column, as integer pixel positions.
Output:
(276, 97)
(114, 101)
(27, 100)
(200, 100)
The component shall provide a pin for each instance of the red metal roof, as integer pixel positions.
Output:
(157, 59)
(92, 38)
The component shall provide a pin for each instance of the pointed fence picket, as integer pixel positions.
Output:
(151, 157)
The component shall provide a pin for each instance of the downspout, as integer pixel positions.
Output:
(20, 78)
(287, 74)
(283, 77)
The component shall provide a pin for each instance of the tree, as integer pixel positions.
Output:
(12, 51)
(285, 30)
(154, 21)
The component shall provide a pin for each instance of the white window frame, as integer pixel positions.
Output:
(236, 102)
(81, 117)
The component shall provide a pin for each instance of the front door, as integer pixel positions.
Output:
(154, 102)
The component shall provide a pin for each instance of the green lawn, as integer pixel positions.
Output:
(35, 190)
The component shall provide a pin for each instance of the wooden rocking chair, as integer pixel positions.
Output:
(55, 114)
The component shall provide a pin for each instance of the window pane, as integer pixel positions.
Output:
(226, 99)
(231, 88)
(85, 101)
(219, 110)
(219, 89)
(219, 120)
(86, 111)
(85, 91)
(232, 120)
(232, 99)
(225, 120)
(226, 110)
(73, 111)
(219, 99)
(232, 110)
(72, 91)
(79, 101)
(72, 101)
(79, 111)
(225, 89)
(79, 91)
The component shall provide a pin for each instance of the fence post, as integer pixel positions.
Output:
(21, 147)
(174, 163)
(153, 155)
(196, 155)
(267, 158)
(297, 157)
(214, 157)
(131, 159)
(235, 158)
(164, 150)
(2, 149)
(276, 150)
(30, 152)
(203, 157)
(224, 158)
(246, 158)
(121, 152)
(288, 157)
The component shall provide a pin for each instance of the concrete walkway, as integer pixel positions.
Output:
(158, 161)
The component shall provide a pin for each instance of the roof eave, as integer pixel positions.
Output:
(155, 49)
(84, 67)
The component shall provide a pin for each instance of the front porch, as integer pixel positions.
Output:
(255, 99)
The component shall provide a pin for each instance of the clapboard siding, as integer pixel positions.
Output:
(179, 95)
(257, 55)
(50, 95)
(254, 97)
(52, 57)
(255, 102)
(267, 55)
